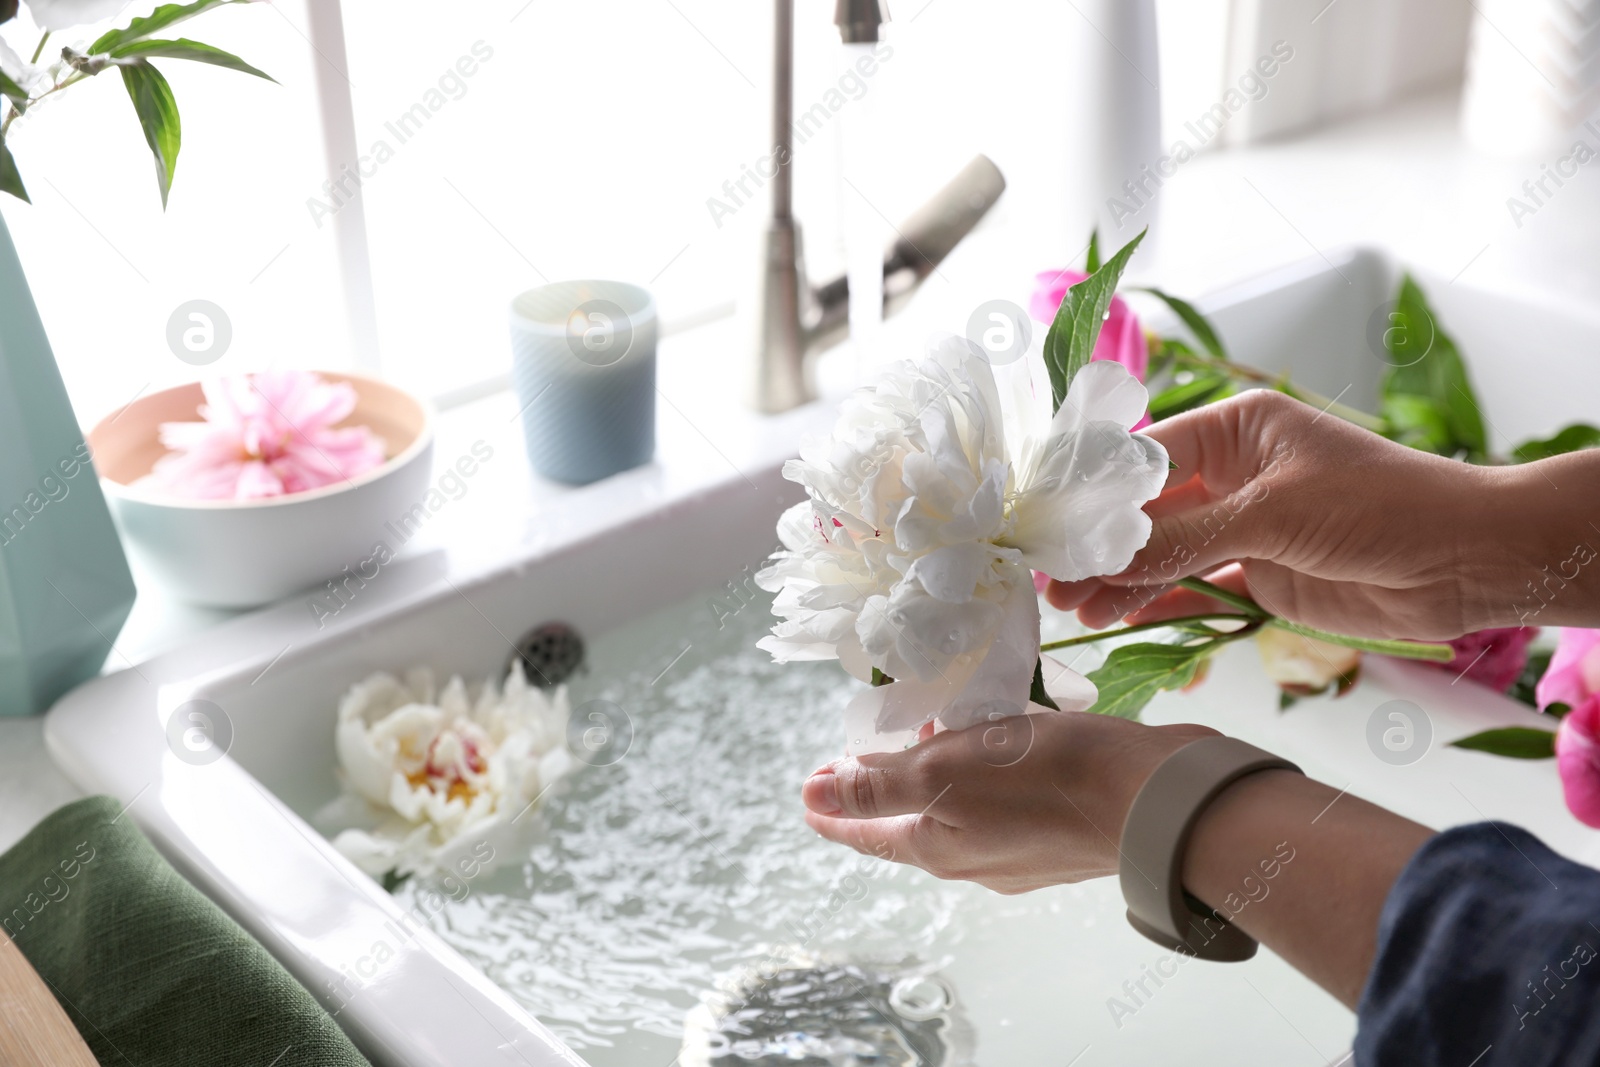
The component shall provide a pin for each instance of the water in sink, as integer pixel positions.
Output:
(673, 903)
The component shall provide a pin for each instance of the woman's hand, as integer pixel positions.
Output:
(1038, 800)
(1336, 527)
(1014, 805)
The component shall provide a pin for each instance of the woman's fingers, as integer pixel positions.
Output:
(1177, 603)
(873, 787)
(1244, 525)
(888, 839)
(1111, 603)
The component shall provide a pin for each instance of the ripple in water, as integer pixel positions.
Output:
(681, 878)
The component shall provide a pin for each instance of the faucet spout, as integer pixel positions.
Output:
(789, 321)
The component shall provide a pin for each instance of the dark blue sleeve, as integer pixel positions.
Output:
(1486, 956)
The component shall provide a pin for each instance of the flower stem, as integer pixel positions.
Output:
(1278, 381)
(1102, 635)
(39, 51)
(1216, 592)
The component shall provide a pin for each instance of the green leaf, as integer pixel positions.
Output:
(14, 92)
(1517, 742)
(1091, 263)
(879, 678)
(1417, 422)
(1382, 646)
(183, 48)
(159, 19)
(1038, 694)
(10, 178)
(1558, 709)
(1196, 322)
(1180, 398)
(1070, 341)
(158, 115)
(1570, 439)
(1286, 700)
(1426, 387)
(1533, 669)
(1133, 674)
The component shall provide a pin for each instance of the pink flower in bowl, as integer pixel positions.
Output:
(266, 435)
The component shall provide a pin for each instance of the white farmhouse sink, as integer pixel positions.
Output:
(1034, 975)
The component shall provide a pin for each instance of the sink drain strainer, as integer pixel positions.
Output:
(828, 1014)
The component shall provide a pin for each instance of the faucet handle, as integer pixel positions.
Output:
(858, 20)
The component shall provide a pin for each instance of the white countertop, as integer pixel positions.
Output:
(1401, 179)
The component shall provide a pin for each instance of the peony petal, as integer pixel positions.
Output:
(1000, 685)
(1101, 391)
(1571, 679)
(1082, 517)
(951, 573)
(1578, 760)
(1070, 690)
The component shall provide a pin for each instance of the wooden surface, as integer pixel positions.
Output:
(34, 1031)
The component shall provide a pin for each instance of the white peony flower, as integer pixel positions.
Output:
(929, 508)
(56, 15)
(441, 773)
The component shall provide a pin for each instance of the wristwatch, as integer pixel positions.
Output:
(1156, 836)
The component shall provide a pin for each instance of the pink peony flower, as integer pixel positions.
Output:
(1574, 672)
(1578, 760)
(1573, 678)
(266, 435)
(1494, 658)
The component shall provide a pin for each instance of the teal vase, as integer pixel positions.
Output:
(65, 589)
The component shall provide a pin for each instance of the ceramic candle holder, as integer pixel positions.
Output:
(584, 365)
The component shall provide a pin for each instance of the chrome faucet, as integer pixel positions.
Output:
(791, 321)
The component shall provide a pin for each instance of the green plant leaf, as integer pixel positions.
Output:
(1533, 669)
(1070, 341)
(1037, 694)
(1517, 742)
(158, 115)
(159, 19)
(14, 93)
(1191, 317)
(1426, 386)
(10, 178)
(1382, 646)
(1203, 389)
(183, 48)
(1417, 422)
(1091, 262)
(879, 678)
(1558, 709)
(1133, 674)
(1570, 439)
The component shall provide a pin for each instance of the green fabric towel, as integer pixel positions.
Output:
(150, 971)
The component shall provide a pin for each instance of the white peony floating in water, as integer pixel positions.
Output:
(435, 773)
(928, 508)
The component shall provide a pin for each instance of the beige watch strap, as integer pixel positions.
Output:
(1156, 835)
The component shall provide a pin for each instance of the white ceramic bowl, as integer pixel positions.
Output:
(226, 553)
